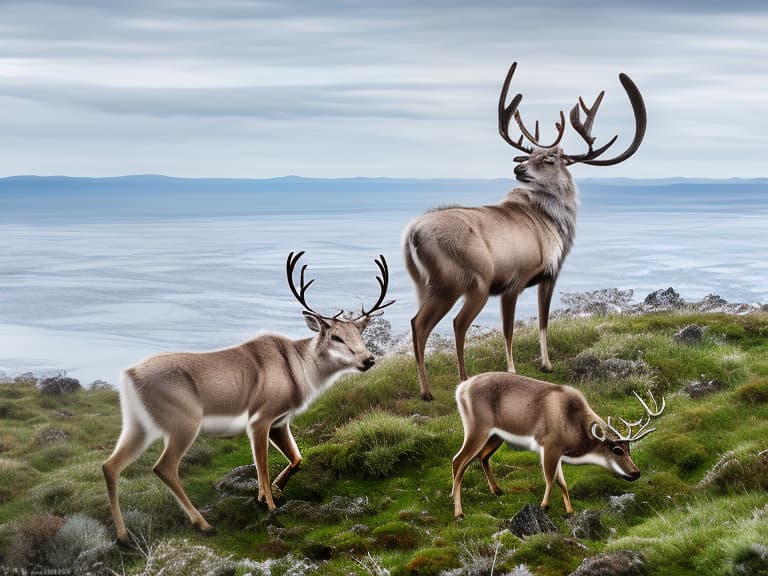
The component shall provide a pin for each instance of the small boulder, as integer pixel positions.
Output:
(690, 335)
(529, 521)
(621, 563)
(240, 481)
(666, 299)
(50, 436)
(703, 387)
(587, 525)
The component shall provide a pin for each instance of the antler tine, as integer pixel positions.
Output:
(641, 121)
(507, 112)
(650, 412)
(560, 126)
(383, 281)
(585, 129)
(299, 294)
(619, 436)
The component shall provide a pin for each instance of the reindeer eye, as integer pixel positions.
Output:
(618, 451)
(337, 339)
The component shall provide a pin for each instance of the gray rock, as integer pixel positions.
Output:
(26, 378)
(691, 334)
(666, 299)
(597, 303)
(703, 387)
(50, 436)
(752, 561)
(621, 563)
(339, 508)
(587, 525)
(620, 504)
(529, 521)
(240, 481)
(588, 366)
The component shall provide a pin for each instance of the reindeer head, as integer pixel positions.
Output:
(340, 339)
(614, 445)
(541, 158)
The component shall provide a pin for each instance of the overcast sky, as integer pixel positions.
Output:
(400, 88)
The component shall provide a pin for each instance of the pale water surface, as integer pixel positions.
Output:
(92, 293)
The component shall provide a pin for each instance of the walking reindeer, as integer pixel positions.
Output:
(502, 249)
(256, 387)
(553, 420)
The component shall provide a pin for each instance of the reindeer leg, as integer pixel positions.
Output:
(546, 289)
(258, 432)
(564, 488)
(133, 441)
(283, 440)
(474, 301)
(508, 304)
(485, 456)
(473, 443)
(549, 462)
(167, 468)
(432, 310)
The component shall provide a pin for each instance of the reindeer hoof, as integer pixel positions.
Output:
(125, 545)
(427, 396)
(207, 531)
(545, 509)
(546, 369)
(497, 492)
(459, 517)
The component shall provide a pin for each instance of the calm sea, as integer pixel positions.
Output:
(92, 288)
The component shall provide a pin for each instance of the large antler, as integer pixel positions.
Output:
(506, 113)
(290, 266)
(383, 281)
(585, 128)
(300, 293)
(633, 435)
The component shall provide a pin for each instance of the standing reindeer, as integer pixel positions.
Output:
(256, 387)
(502, 249)
(554, 421)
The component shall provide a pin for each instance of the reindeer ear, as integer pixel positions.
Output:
(315, 322)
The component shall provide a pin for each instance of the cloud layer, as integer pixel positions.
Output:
(346, 88)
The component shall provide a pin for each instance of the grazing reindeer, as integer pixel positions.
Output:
(257, 387)
(502, 249)
(555, 421)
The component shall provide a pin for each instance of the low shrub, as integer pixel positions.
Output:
(374, 445)
(395, 535)
(430, 562)
(82, 544)
(680, 450)
(551, 552)
(738, 471)
(15, 478)
(180, 557)
(29, 542)
(755, 391)
(59, 385)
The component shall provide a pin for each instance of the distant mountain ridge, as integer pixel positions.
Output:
(148, 195)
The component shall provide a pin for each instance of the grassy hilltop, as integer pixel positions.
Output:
(373, 494)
